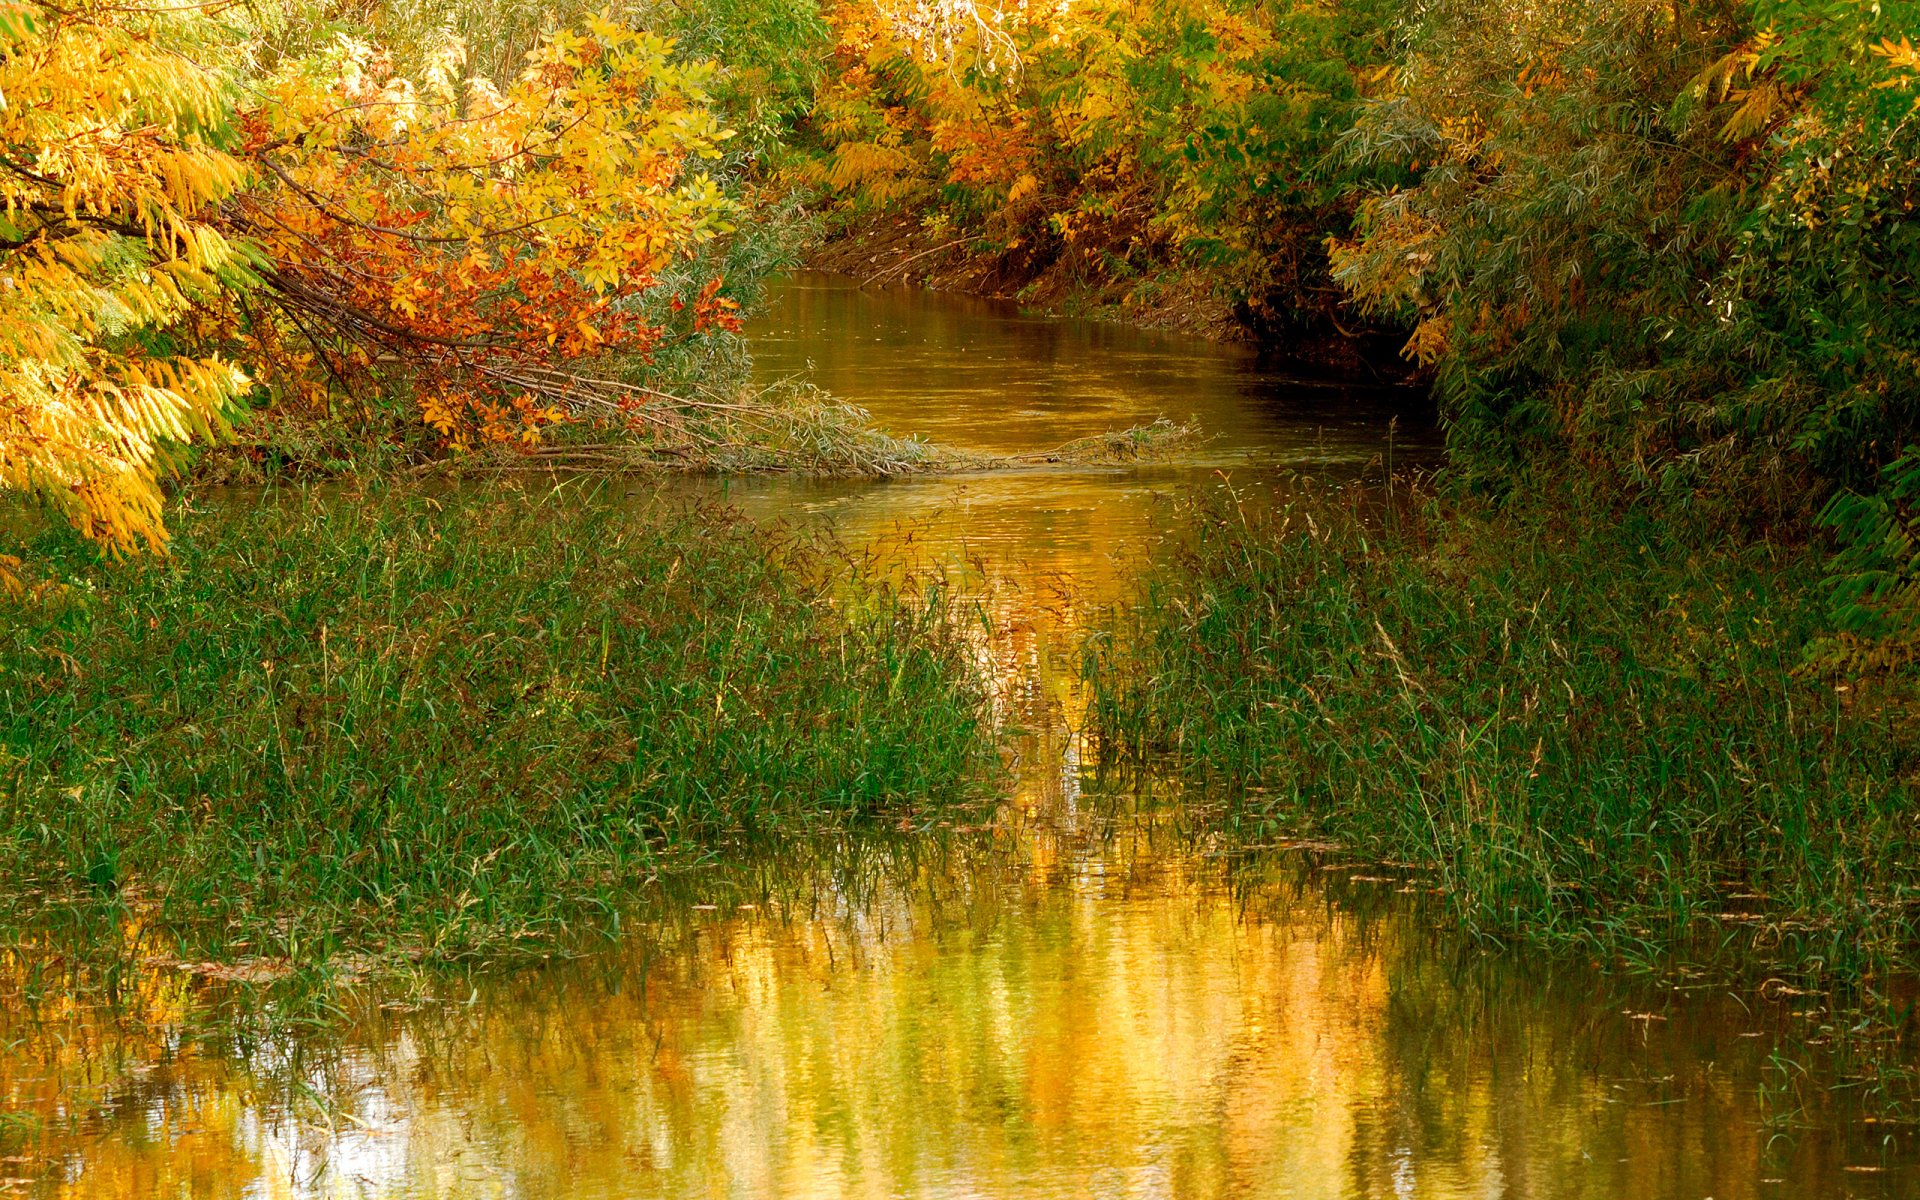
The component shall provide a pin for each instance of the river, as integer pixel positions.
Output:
(1071, 994)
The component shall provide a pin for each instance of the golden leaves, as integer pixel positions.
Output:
(108, 235)
(1759, 105)
(480, 235)
(1899, 54)
(1432, 339)
(472, 234)
(1905, 60)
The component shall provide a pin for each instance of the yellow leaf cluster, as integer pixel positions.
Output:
(107, 123)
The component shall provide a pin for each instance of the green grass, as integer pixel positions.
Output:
(393, 723)
(1589, 730)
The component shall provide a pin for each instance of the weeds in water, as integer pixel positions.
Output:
(1588, 732)
(405, 724)
(793, 427)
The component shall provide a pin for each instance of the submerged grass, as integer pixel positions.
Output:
(1590, 732)
(406, 724)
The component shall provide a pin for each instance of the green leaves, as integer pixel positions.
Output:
(20, 22)
(1674, 248)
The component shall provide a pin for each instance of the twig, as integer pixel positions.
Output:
(891, 268)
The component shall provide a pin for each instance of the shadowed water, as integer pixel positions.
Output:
(978, 375)
(1063, 994)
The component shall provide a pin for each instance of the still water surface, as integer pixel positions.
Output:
(979, 375)
(1069, 995)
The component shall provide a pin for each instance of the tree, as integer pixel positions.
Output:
(340, 226)
(115, 135)
(1110, 139)
(474, 243)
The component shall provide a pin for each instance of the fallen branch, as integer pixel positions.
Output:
(902, 264)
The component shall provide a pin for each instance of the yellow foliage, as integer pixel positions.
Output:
(1900, 54)
(1430, 341)
(502, 233)
(105, 245)
(865, 164)
(336, 222)
(1905, 60)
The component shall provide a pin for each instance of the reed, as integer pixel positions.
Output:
(394, 722)
(1586, 729)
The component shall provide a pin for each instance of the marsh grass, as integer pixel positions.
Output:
(400, 724)
(1591, 732)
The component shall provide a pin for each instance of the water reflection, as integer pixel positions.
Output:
(1062, 995)
(1101, 1012)
(979, 374)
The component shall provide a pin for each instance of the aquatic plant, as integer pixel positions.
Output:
(409, 722)
(1590, 727)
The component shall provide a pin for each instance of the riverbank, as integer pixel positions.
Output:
(1590, 729)
(252, 996)
(391, 723)
(884, 249)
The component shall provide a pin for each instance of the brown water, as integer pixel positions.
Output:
(977, 374)
(1068, 995)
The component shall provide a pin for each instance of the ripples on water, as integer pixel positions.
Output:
(1068, 995)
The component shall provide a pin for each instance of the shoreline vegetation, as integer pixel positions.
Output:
(398, 722)
(881, 250)
(1588, 732)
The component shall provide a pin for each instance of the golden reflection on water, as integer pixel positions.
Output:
(981, 375)
(1077, 999)
(1100, 1012)
(978, 375)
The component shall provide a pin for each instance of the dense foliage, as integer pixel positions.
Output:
(1106, 139)
(201, 210)
(1667, 247)
(110, 136)
(1671, 247)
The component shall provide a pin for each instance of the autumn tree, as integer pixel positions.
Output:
(341, 227)
(479, 243)
(116, 127)
(1109, 140)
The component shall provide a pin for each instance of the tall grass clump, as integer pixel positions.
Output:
(395, 722)
(1586, 729)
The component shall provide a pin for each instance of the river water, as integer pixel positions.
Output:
(1069, 994)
